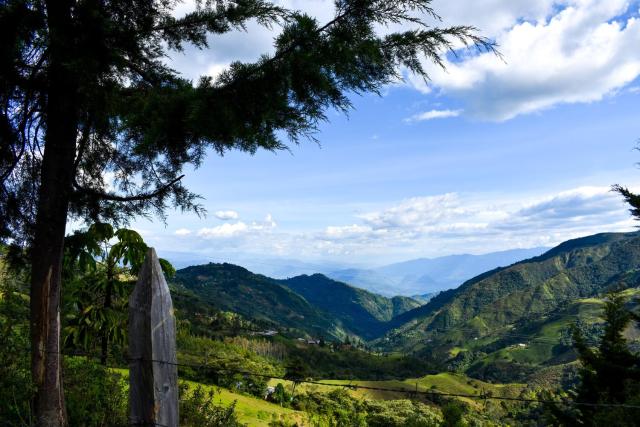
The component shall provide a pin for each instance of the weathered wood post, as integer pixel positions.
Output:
(153, 373)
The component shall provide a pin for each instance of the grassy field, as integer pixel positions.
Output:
(250, 410)
(444, 382)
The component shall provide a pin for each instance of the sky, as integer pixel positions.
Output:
(490, 154)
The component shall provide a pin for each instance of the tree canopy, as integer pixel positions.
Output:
(138, 121)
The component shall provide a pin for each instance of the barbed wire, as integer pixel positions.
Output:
(413, 392)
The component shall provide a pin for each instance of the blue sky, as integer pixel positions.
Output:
(490, 155)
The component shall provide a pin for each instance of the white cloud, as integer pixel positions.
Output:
(346, 230)
(182, 232)
(433, 114)
(268, 224)
(245, 46)
(226, 215)
(451, 223)
(224, 230)
(425, 226)
(238, 228)
(581, 51)
(555, 52)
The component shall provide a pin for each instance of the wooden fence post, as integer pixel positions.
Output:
(153, 373)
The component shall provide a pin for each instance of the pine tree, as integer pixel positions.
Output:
(85, 93)
(609, 374)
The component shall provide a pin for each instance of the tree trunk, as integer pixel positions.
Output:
(55, 187)
(104, 339)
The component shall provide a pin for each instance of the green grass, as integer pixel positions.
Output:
(250, 410)
(443, 382)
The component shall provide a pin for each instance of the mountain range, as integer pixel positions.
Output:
(429, 275)
(415, 277)
(313, 305)
(500, 325)
(531, 305)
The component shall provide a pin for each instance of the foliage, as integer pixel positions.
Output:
(342, 362)
(531, 303)
(610, 374)
(280, 395)
(86, 93)
(361, 312)
(223, 360)
(229, 287)
(338, 408)
(16, 390)
(143, 121)
(398, 413)
(199, 409)
(95, 395)
(99, 274)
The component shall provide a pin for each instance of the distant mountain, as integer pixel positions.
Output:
(425, 298)
(313, 304)
(232, 288)
(360, 311)
(283, 268)
(531, 300)
(429, 275)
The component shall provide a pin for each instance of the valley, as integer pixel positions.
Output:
(310, 350)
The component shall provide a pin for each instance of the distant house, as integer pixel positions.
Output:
(269, 392)
(522, 345)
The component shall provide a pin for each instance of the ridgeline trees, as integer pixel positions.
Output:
(85, 93)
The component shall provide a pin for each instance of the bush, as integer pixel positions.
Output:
(95, 395)
(16, 390)
(400, 413)
(198, 408)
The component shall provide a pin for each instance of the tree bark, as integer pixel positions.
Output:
(104, 339)
(51, 218)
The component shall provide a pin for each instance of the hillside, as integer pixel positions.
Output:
(516, 304)
(429, 275)
(313, 304)
(358, 310)
(232, 288)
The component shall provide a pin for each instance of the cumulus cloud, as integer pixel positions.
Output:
(223, 230)
(426, 226)
(226, 215)
(239, 45)
(182, 232)
(572, 51)
(455, 223)
(268, 223)
(555, 52)
(238, 228)
(581, 208)
(433, 114)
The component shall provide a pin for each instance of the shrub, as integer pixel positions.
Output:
(198, 408)
(95, 395)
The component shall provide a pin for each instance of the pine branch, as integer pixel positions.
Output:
(631, 198)
(135, 198)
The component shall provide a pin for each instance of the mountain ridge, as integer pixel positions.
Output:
(509, 301)
(429, 275)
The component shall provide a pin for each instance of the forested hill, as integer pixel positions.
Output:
(314, 304)
(232, 288)
(508, 299)
(363, 312)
